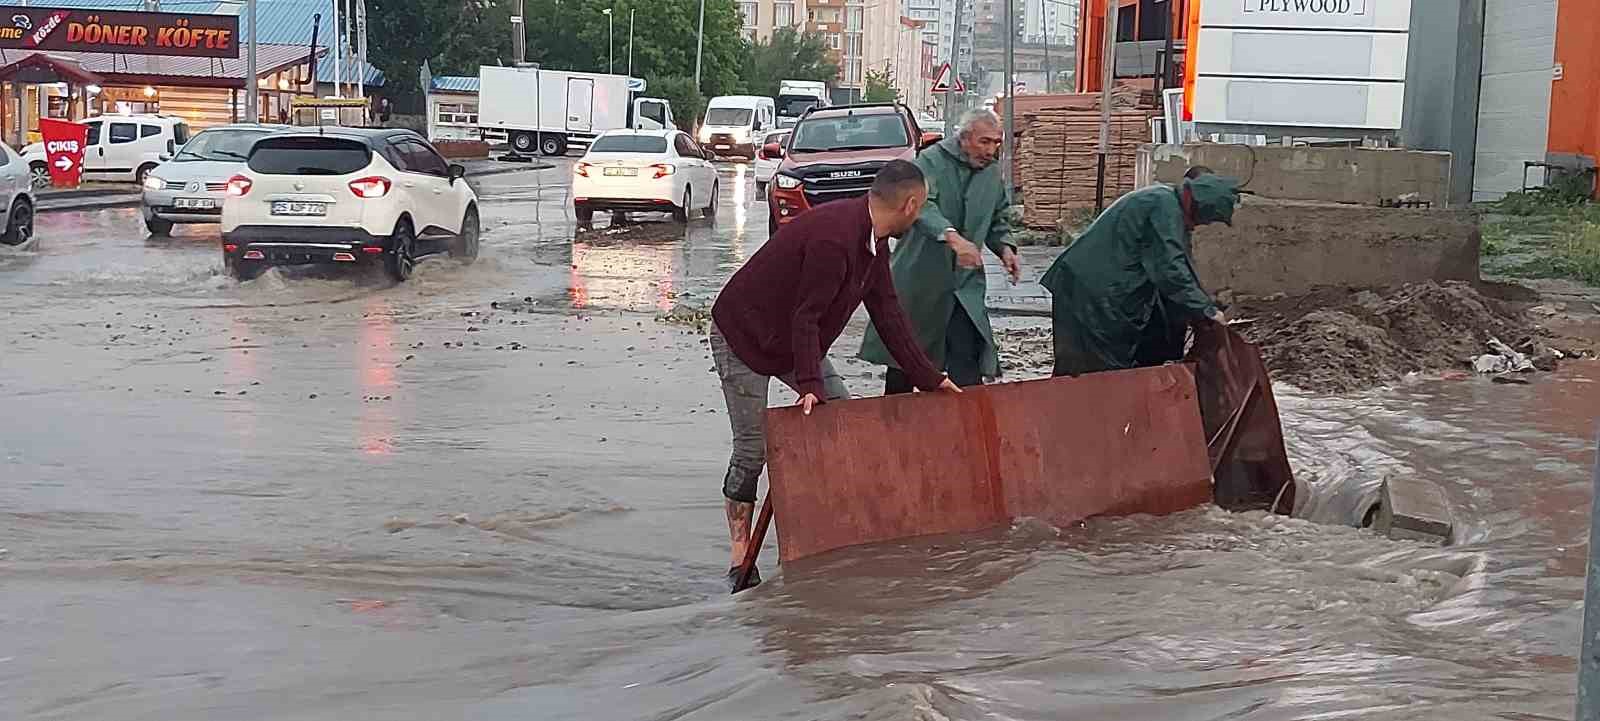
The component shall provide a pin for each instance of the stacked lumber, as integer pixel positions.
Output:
(1056, 158)
(1122, 98)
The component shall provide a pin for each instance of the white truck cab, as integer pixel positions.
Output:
(795, 97)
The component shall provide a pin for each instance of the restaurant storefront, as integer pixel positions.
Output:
(73, 63)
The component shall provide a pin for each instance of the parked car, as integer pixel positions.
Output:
(766, 164)
(191, 186)
(118, 148)
(16, 188)
(835, 153)
(733, 124)
(644, 170)
(347, 195)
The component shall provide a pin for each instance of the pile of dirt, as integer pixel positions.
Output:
(1338, 340)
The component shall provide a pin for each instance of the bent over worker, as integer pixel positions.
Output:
(779, 314)
(938, 266)
(1118, 288)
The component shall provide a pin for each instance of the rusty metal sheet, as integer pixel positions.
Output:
(1060, 449)
(1241, 420)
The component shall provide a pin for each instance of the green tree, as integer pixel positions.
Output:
(454, 37)
(879, 87)
(787, 55)
(573, 35)
(688, 104)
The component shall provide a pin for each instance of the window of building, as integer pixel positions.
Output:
(852, 45)
(458, 114)
(853, 72)
(751, 12)
(783, 15)
(834, 41)
(852, 19)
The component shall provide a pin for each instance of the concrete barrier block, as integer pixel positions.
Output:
(1276, 247)
(1413, 509)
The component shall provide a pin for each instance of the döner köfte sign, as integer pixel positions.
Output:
(115, 31)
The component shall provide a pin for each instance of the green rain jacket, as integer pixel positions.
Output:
(1128, 279)
(926, 276)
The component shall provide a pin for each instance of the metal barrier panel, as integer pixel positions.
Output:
(1059, 449)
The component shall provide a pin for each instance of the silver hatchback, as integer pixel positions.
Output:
(190, 187)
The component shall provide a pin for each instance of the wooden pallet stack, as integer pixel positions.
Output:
(1057, 155)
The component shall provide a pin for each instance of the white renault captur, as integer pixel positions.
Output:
(347, 195)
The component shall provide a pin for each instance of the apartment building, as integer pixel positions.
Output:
(762, 17)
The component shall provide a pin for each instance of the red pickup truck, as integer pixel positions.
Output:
(835, 153)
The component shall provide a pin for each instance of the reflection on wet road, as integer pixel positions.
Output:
(492, 493)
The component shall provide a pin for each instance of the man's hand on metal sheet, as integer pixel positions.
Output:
(949, 386)
(806, 402)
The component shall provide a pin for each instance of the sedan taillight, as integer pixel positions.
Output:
(238, 185)
(663, 170)
(373, 187)
(582, 168)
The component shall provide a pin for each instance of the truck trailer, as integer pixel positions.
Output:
(549, 111)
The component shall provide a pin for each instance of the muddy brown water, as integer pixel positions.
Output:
(456, 528)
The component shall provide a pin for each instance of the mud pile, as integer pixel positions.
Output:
(1338, 340)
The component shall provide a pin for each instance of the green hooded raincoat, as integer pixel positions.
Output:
(1127, 283)
(925, 273)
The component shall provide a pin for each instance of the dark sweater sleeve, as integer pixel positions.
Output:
(822, 274)
(889, 317)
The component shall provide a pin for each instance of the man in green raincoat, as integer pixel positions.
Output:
(937, 266)
(1128, 280)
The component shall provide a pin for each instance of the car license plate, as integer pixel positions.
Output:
(622, 171)
(724, 147)
(195, 204)
(294, 207)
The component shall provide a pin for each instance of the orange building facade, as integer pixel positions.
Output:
(1575, 91)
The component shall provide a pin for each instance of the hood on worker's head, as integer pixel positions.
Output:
(1214, 198)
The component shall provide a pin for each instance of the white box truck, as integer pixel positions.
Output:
(795, 97)
(548, 111)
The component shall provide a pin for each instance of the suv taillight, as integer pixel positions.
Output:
(238, 185)
(373, 187)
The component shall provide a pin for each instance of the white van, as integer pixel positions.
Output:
(119, 148)
(735, 124)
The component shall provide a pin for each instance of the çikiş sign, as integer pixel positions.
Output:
(116, 31)
(1317, 7)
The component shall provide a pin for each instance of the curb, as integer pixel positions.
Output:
(79, 193)
(111, 202)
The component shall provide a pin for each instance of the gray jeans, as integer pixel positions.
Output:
(746, 394)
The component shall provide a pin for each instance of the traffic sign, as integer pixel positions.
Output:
(942, 81)
(63, 147)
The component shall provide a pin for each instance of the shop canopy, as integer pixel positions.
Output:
(40, 68)
(112, 69)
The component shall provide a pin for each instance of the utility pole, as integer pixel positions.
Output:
(950, 96)
(1044, 25)
(1010, 136)
(630, 42)
(361, 49)
(338, 76)
(611, 43)
(1589, 660)
(699, 45)
(519, 37)
(252, 114)
(1107, 77)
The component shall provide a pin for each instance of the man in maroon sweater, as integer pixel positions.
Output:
(779, 314)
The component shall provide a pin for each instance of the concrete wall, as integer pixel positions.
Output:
(1519, 45)
(1443, 69)
(1290, 248)
(1337, 175)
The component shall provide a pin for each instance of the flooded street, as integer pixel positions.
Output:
(493, 492)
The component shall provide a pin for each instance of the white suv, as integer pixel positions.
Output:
(345, 195)
(119, 148)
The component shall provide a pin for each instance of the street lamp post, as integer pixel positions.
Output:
(611, 45)
(630, 42)
(699, 45)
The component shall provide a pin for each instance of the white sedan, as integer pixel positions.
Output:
(644, 171)
(766, 167)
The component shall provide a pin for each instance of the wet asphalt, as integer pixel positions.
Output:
(492, 492)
